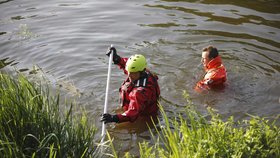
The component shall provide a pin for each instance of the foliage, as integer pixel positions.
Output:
(194, 136)
(32, 124)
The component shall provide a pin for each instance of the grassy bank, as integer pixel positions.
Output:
(195, 137)
(32, 124)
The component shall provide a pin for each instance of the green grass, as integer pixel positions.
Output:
(32, 124)
(195, 137)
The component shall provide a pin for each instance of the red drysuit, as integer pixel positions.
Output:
(139, 97)
(215, 75)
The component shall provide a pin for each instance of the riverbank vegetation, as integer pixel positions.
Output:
(195, 136)
(33, 125)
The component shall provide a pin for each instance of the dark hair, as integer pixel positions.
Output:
(213, 51)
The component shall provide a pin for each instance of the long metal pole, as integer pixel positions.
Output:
(103, 133)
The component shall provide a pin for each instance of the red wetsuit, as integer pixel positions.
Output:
(215, 75)
(139, 97)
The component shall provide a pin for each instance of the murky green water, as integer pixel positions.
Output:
(68, 40)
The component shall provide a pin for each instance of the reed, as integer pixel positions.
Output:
(194, 136)
(32, 124)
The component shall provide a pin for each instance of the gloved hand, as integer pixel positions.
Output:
(116, 57)
(107, 118)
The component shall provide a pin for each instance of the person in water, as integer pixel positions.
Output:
(215, 72)
(139, 92)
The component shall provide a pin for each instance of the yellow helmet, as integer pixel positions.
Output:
(136, 63)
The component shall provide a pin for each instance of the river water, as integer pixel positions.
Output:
(68, 39)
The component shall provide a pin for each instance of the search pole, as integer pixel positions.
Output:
(103, 133)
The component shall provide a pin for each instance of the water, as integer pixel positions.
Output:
(68, 40)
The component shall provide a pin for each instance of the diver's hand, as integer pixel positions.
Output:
(108, 118)
(116, 57)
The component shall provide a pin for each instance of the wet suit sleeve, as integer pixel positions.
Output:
(211, 79)
(136, 105)
(201, 86)
(122, 63)
(204, 84)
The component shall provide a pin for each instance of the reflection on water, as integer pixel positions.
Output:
(4, 62)
(4, 1)
(236, 21)
(268, 6)
(68, 40)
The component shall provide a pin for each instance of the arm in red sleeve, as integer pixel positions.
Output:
(202, 86)
(136, 105)
(122, 63)
(211, 79)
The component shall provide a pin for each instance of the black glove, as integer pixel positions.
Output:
(116, 57)
(107, 118)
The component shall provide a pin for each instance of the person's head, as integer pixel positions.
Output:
(208, 54)
(135, 65)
